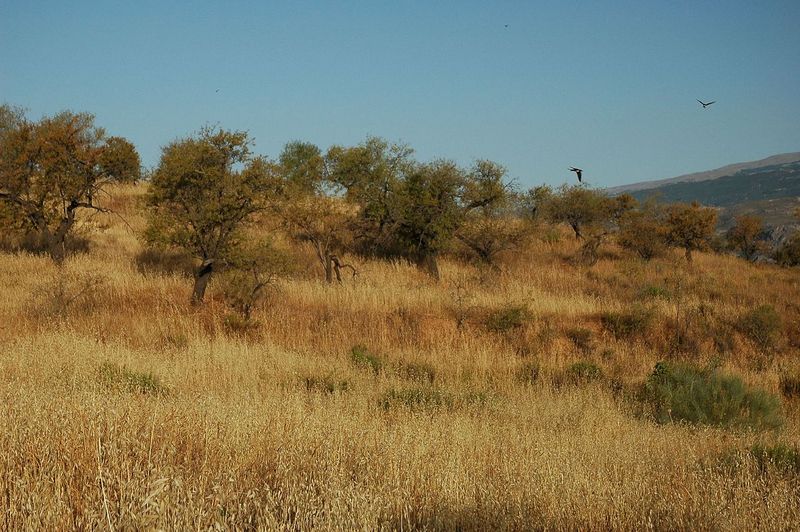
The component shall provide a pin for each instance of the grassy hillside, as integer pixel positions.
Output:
(125, 407)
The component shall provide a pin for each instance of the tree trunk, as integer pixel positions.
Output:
(57, 244)
(428, 263)
(201, 279)
(577, 229)
(689, 255)
(328, 269)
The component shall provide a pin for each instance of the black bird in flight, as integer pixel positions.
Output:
(506, 25)
(705, 104)
(577, 171)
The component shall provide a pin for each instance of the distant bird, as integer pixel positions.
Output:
(705, 104)
(216, 90)
(506, 25)
(577, 171)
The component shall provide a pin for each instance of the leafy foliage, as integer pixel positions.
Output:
(682, 392)
(205, 191)
(690, 227)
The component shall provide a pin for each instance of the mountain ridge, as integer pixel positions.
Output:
(709, 175)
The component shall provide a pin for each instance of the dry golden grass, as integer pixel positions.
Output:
(123, 407)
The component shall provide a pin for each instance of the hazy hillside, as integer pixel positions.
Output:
(771, 191)
(731, 169)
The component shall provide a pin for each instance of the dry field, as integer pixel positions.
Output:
(124, 407)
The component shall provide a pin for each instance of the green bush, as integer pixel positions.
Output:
(761, 325)
(417, 398)
(362, 358)
(417, 371)
(682, 392)
(785, 458)
(654, 292)
(420, 398)
(120, 377)
(627, 324)
(583, 373)
(326, 384)
(528, 372)
(508, 318)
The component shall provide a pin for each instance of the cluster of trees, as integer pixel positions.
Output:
(210, 195)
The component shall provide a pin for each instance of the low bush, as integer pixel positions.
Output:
(761, 325)
(508, 318)
(528, 372)
(362, 358)
(627, 324)
(419, 398)
(685, 393)
(790, 386)
(417, 371)
(121, 378)
(325, 384)
(780, 457)
(583, 373)
(581, 338)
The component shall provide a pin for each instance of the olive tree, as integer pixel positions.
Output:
(743, 236)
(690, 226)
(204, 193)
(49, 171)
(580, 208)
(308, 212)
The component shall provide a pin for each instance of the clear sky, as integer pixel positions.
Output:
(607, 86)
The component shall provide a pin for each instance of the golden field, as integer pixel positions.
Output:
(124, 407)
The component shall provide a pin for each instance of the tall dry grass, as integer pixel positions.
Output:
(124, 407)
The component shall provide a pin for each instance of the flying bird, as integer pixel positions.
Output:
(577, 171)
(506, 25)
(705, 104)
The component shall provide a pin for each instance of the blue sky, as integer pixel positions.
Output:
(609, 87)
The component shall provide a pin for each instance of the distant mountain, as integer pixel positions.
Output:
(769, 188)
(731, 169)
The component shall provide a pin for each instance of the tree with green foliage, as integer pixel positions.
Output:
(371, 175)
(743, 236)
(120, 161)
(690, 226)
(581, 208)
(490, 225)
(204, 193)
(49, 171)
(311, 215)
(643, 231)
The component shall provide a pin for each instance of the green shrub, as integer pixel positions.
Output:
(784, 458)
(120, 377)
(790, 386)
(682, 392)
(528, 372)
(362, 358)
(420, 398)
(417, 371)
(583, 373)
(761, 325)
(508, 318)
(326, 384)
(654, 292)
(581, 338)
(627, 324)
(417, 398)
